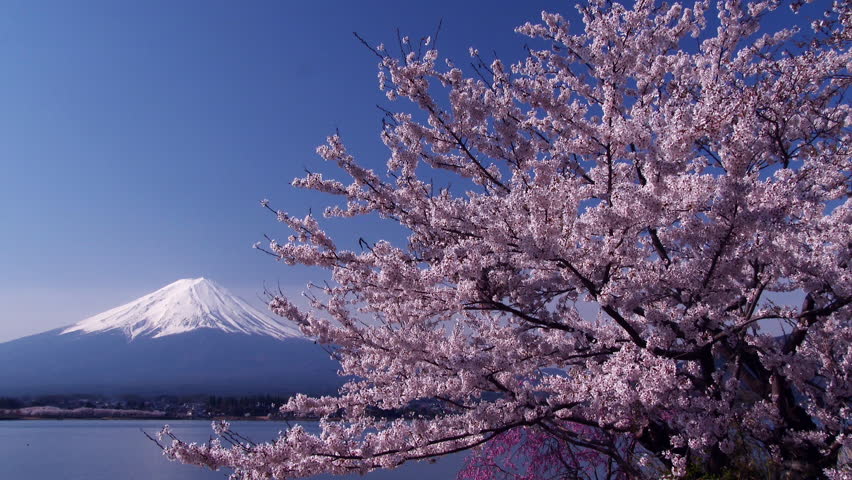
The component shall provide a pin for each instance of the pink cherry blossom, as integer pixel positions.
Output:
(673, 183)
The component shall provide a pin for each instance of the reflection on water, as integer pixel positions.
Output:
(117, 449)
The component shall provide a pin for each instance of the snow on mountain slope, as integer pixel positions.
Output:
(183, 306)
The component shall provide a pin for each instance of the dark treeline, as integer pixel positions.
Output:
(255, 406)
(199, 406)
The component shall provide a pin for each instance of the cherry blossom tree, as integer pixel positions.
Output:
(673, 166)
(531, 454)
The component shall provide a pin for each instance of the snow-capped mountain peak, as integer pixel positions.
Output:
(183, 306)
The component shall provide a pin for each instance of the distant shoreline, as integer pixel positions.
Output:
(55, 413)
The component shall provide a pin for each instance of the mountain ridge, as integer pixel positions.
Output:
(189, 337)
(202, 361)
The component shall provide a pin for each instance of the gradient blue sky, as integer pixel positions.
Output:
(136, 138)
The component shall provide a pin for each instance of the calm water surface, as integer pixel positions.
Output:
(117, 450)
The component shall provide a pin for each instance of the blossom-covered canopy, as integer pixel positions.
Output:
(673, 183)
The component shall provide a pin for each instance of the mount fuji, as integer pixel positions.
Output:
(189, 337)
(181, 307)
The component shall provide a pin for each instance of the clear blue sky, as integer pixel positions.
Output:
(136, 138)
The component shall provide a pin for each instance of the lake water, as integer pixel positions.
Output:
(116, 449)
